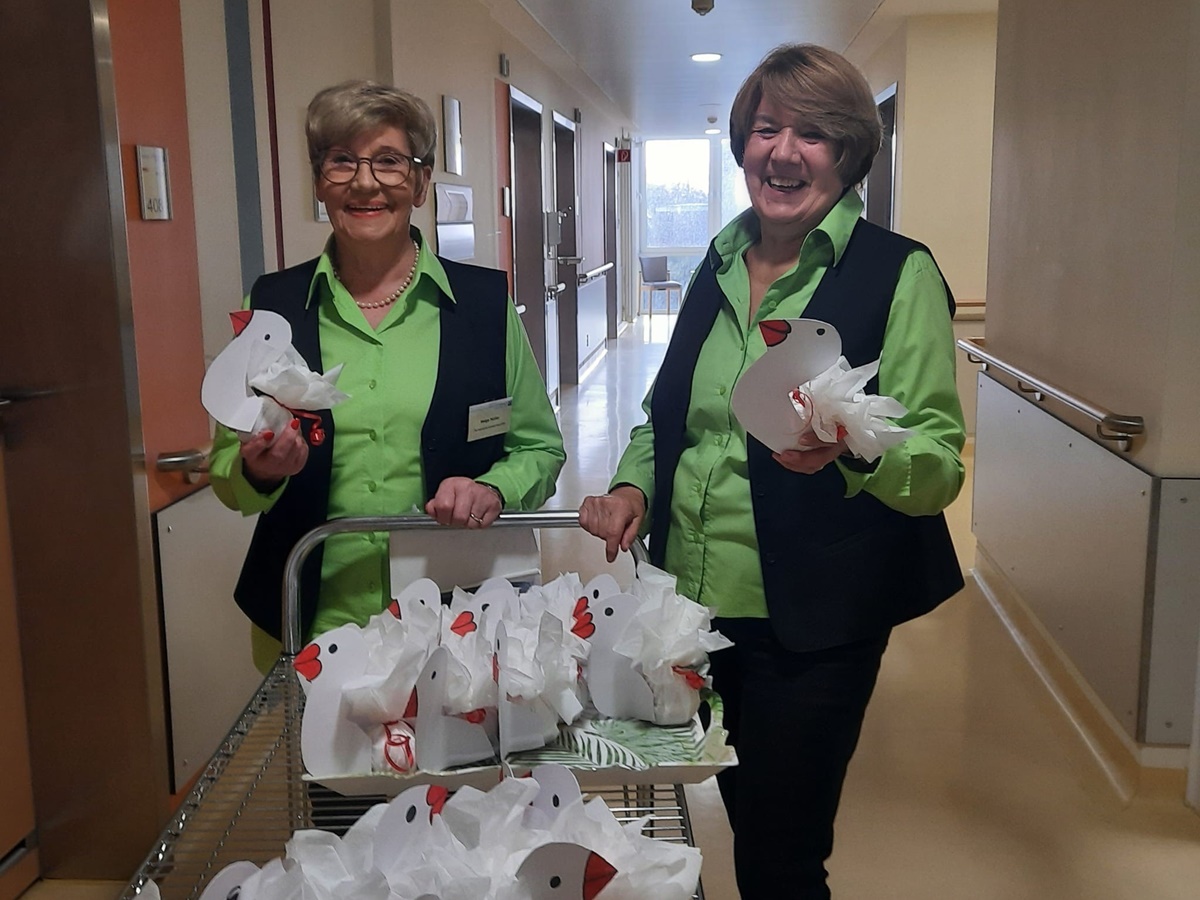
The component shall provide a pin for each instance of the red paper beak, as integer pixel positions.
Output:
(436, 798)
(464, 624)
(597, 873)
(307, 662)
(241, 319)
(774, 331)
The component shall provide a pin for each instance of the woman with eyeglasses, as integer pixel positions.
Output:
(427, 344)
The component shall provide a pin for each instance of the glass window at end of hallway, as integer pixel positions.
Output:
(691, 188)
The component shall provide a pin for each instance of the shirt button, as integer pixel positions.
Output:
(721, 390)
(371, 384)
(372, 586)
(371, 486)
(371, 434)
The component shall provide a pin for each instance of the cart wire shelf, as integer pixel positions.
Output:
(252, 795)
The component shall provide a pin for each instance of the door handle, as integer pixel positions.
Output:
(569, 260)
(192, 462)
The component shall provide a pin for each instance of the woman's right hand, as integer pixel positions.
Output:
(614, 517)
(267, 460)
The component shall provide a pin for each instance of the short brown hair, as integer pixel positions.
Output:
(338, 114)
(826, 90)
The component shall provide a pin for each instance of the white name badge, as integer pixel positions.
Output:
(485, 420)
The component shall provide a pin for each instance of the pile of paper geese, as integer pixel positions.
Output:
(426, 685)
(526, 839)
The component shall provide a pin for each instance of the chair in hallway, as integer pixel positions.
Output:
(655, 277)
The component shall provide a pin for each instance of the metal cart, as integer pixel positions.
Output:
(252, 795)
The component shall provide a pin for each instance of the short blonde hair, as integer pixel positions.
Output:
(338, 114)
(826, 90)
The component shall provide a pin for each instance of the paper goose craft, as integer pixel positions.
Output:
(562, 871)
(330, 742)
(260, 382)
(798, 350)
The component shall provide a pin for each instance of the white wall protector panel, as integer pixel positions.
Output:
(1175, 613)
(210, 673)
(1068, 521)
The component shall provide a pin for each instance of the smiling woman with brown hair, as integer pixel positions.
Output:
(809, 556)
(402, 320)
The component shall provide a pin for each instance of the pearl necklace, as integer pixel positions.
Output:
(395, 295)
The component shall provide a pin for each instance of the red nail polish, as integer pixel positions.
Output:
(295, 424)
(268, 435)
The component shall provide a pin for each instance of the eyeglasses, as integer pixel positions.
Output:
(391, 168)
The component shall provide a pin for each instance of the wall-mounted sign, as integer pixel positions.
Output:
(154, 182)
(624, 154)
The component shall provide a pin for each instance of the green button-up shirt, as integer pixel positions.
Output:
(711, 546)
(389, 374)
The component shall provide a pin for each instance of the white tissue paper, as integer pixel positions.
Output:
(834, 407)
(668, 640)
(282, 373)
(479, 846)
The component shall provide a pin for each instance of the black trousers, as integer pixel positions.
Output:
(794, 719)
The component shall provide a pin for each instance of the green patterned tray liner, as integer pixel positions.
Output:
(681, 753)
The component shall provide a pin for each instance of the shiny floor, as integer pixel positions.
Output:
(969, 784)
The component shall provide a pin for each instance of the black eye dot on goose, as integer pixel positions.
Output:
(411, 814)
(267, 338)
(433, 675)
(608, 610)
(820, 331)
(484, 607)
(234, 894)
(555, 801)
(596, 594)
(333, 648)
(555, 881)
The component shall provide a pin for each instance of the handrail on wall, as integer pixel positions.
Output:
(1118, 429)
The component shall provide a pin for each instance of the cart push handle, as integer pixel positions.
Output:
(306, 544)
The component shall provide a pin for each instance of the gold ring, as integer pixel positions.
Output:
(475, 517)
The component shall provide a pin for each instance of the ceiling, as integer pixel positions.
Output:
(638, 51)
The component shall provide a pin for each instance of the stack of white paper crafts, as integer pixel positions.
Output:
(525, 839)
(430, 686)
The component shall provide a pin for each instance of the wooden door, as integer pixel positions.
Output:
(566, 202)
(529, 241)
(610, 238)
(16, 790)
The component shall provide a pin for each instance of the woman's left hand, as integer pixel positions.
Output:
(465, 503)
(806, 462)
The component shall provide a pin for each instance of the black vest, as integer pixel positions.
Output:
(471, 370)
(835, 570)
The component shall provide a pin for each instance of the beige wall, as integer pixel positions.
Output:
(944, 70)
(1093, 279)
(211, 140)
(949, 89)
(315, 44)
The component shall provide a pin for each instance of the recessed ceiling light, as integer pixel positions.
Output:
(712, 130)
(705, 57)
